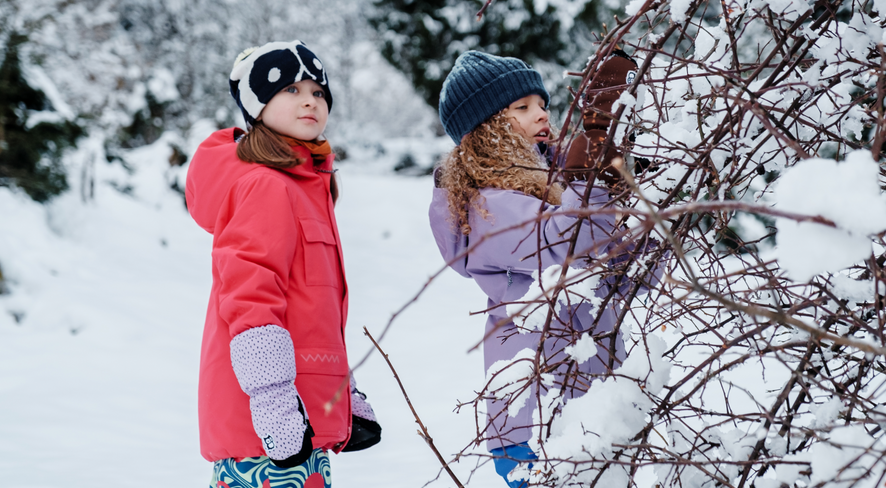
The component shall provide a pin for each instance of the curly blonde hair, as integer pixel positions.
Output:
(493, 155)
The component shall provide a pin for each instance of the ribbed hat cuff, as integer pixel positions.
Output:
(491, 98)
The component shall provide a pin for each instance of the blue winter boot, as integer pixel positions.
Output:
(508, 457)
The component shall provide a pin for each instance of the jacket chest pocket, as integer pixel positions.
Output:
(321, 255)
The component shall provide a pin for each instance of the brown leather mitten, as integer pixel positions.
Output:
(613, 77)
(582, 156)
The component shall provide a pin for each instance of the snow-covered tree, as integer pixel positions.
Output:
(423, 39)
(133, 69)
(36, 126)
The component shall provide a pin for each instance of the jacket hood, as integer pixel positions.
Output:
(215, 168)
(450, 242)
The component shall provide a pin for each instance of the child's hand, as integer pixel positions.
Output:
(264, 363)
(582, 156)
(610, 81)
(305, 447)
(365, 431)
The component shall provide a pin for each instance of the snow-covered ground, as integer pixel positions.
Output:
(100, 335)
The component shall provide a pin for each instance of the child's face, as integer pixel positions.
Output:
(298, 111)
(529, 118)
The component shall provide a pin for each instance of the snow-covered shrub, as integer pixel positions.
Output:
(756, 361)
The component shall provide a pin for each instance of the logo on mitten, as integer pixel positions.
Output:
(269, 443)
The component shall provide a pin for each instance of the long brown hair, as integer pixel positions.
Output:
(262, 145)
(493, 155)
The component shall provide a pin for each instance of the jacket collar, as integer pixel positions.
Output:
(309, 167)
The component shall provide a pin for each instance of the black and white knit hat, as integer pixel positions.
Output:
(479, 86)
(259, 73)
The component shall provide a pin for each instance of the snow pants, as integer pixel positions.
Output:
(260, 472)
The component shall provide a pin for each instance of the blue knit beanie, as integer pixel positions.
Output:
(259, 73)
(479, 86)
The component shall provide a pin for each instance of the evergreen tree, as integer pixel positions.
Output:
(30, 154)
(423, 38)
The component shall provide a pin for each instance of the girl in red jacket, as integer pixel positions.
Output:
(273, 358)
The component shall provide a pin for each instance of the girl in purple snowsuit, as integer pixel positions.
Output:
(495, 109)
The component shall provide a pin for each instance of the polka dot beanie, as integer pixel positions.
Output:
(260, 72)
(479, 86)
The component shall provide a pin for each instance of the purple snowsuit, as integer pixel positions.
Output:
(498, 266)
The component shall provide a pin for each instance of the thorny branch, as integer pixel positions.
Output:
(423, 432)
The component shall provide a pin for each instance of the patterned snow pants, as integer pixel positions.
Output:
(260, 472)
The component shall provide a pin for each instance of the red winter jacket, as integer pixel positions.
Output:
(276, 259)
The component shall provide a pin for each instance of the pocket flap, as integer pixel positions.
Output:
(316, 231)
(321, 361)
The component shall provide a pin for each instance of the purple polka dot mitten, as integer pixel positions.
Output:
(264, 363)
(365, 430)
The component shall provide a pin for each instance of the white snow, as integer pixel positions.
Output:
(829, 458)
(162, 85)
(679, 9)
(846, 193)
(711, 42)
(583, 349)
(508, 379)
(852, 290)
(827, 412)
(38, 79)
(634, 6)
(611, 411)
(791, 9)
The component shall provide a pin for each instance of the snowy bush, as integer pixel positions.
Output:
(753, 135)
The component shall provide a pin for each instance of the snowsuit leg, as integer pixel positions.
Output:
(260, 472)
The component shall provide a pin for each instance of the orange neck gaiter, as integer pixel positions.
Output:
(319, 149)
